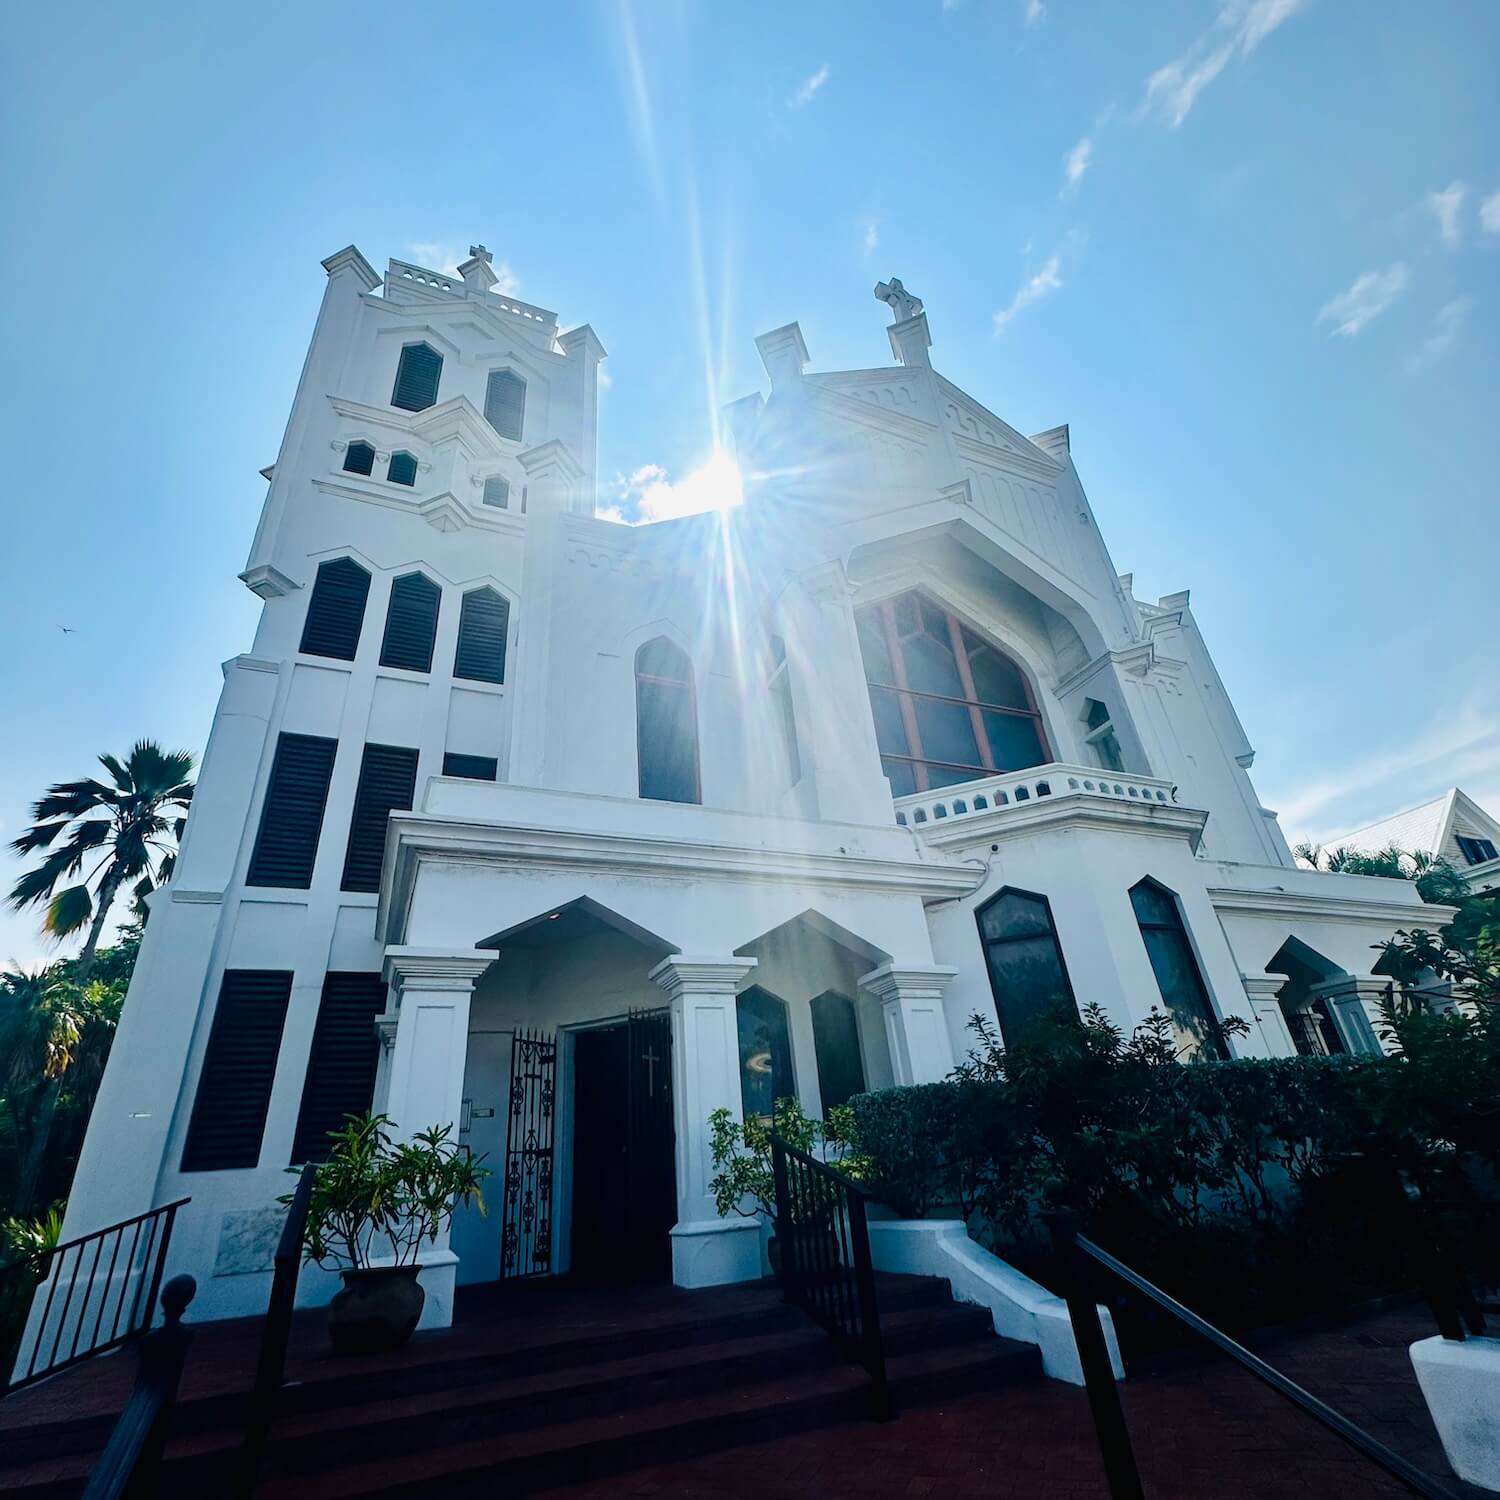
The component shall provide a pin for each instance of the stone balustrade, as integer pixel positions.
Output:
(454, 284)
(1011, 789)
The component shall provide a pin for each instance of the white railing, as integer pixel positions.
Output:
(403, 271)
(1017, 788)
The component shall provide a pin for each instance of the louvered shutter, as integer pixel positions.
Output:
(497, 492)
(239, 1067)
(402, 468)
(505, 403)
(359, 458)
(387, 782)
(292, 818)
(411, 623)
(481, 637)
(341, 1068)
(475, 767)
(417, 376)
(336, 610)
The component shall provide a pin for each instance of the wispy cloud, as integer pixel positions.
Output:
(1489, 214)
(1033, 289)
(440, 255)
(1240, 27)
(806, 93)
(871, 237)
(1447, 328)
(1368, 296)
(1076, 163)
(1461, 743)
(1447, 208)
(1035, 12)
(606, 380)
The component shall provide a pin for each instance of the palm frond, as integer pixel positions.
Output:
(36, 885)
(121, 776)
(72, 799)
(38, 836)
(68, 911)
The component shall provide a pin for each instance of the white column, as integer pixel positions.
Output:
(911, 1001)
(1353, 1002)
(1261, 991)
(706, 1250)
(424, 1073)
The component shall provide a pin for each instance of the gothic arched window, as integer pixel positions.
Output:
(841, 1070)
(483, 619)
(948, 706)
(1184, 996)
(505, 403)
(411, 623)
(765, 1052)
(336, 610)
(359, 458)
(417, 375)
(1025, 962)
(666, 723)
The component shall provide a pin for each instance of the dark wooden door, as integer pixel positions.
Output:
(624, 1180)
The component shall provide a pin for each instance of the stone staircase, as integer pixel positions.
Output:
(534, 1387)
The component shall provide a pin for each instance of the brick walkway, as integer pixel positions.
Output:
(1203, 1429)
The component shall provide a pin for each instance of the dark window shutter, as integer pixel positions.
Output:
(411, 623)
(505, 403)
(417, 378)
(341, 1068)
(292, 818)
(481, 637)
(475, 767)
(497, 492)
(359, 458)
(336, 610)
(402, 468)
(387, 782)
(239, 1067)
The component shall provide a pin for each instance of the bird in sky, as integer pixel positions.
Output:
(67, 630)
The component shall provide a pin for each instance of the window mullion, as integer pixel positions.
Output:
(903, 691)
(965, 676)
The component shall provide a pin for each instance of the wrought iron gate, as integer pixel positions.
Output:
(526, 1235)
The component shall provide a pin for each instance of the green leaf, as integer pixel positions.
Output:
(69, 911)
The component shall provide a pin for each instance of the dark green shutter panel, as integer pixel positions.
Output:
(336, 610)
(239, 1067)
(505, 403)
(481, 637)
(402, 468)
(387, 783)
(497, 492)
(417, 378)
(287, 844)
(475, 767)
(359, 458)
(411, 623)
(341, 1068)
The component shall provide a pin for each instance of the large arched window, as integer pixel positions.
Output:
(948, 706)
(1025, 962)
(765, 1053)
(841, 1071)
(666, 723)
(1183, 993)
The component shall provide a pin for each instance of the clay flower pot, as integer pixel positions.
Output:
(377, 1310)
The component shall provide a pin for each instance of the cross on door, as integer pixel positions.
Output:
(650, 1059)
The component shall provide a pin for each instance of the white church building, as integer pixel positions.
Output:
(569, 832)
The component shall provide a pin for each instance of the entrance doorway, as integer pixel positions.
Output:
(624, 1171)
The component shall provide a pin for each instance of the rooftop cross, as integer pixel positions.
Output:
(480, 253)
(903, 304)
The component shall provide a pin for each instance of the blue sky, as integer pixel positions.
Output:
(1249, 251)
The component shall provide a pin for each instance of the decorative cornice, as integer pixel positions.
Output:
(903, 982)
(349, 259)
(1063, 811)
(1006, 459)
(686, 974)
(1296, 904)
(485, 517)
(1004, 431)
(434, 968)
(247, 663)
(1136, 660)
(268, 582)
(1262, 988)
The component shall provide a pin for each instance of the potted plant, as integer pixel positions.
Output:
(742, 1158)
(374, 1203)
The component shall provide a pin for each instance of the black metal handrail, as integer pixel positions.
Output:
(131, 1461)
(1074, 1252)
(823, 1236)
(270, 1364)
(107, 1303)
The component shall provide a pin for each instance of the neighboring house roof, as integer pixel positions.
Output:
(1434, 828)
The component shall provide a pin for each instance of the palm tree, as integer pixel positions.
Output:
(1436, 880)
(135, 840)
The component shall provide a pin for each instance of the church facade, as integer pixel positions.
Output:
(567, 833)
